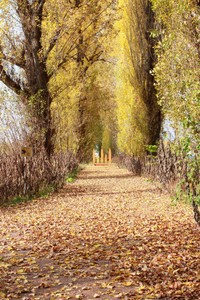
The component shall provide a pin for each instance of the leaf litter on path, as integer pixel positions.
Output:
(109, 235)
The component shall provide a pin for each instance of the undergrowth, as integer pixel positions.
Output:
(44, 192)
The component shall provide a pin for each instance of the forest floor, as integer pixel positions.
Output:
(108, 235)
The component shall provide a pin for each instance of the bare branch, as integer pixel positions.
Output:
(23, 6)
(8, 81)
(52, 44)
(74, 46)
(17, 61)
(40, 6)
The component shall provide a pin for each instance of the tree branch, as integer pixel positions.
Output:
(8, 81)
(19, 62)
(23, 6)
(40, 6)
(52, 44)
(75, 43)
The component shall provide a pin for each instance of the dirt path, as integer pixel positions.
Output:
(109, 235)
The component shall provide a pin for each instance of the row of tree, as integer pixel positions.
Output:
(159, 85)
(139, 115)
(159, 78)
(177, 75)
(52, 55)
(93, 73)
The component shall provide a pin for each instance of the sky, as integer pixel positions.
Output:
(11, 116)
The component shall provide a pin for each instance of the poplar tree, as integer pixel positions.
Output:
(141, 24)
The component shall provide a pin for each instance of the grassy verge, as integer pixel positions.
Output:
(71, 177)
(43, 193)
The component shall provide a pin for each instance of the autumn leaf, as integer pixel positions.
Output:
(105, 245)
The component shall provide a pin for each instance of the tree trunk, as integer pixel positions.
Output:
(36, 72)
(82, 134)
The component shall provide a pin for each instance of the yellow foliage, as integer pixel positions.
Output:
(131, 110)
